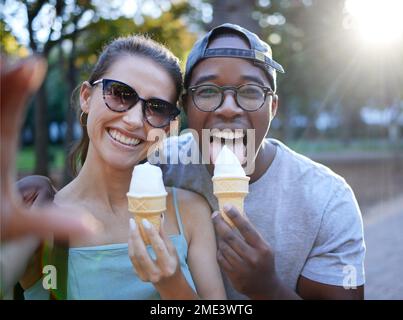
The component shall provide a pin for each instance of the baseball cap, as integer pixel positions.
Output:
(260, 52)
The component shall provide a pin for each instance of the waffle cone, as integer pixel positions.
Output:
(150, 208)
(231, 190)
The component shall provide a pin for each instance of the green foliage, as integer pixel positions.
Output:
(9, 44)
(26, 159)
(168, 29)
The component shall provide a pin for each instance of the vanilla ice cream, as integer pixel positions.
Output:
(146, 182)
(147, 197)
(230, 183)
(228, 165)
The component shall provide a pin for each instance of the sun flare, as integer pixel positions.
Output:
(377, 21)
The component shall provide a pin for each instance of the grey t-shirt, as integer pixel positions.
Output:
(306, 212)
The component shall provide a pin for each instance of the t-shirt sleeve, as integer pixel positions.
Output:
(337, 257)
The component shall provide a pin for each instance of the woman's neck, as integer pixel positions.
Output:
(102, 185)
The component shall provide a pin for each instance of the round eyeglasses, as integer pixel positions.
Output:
(249, 97)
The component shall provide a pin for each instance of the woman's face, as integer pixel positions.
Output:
(120, 139)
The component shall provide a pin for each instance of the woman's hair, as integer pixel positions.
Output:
(136, 45)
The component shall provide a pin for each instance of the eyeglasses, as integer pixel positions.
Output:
(120, 97)
(249, 97)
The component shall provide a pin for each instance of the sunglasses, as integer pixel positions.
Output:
(120, 97)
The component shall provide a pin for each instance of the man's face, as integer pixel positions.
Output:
(223, 71)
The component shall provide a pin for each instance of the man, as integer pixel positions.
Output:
(303, 235)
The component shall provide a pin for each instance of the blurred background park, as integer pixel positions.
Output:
(341, 99)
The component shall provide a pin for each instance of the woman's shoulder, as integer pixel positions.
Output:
(67, 196)
(193, 208)
(187, 198)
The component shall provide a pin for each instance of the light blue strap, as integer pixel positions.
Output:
(178, 216)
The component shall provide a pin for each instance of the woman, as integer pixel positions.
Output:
(132, 90)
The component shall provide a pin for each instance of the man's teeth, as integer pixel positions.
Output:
(123, 139)
(227, 134)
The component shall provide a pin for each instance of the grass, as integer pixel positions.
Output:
(338, 146)
(26, 158)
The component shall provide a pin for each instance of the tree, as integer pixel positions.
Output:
(41, 45)
(234, 11)
(86, 43)
(9, 44)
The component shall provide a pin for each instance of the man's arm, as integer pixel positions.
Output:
(248, 261)
(36, 190)
(309, 289)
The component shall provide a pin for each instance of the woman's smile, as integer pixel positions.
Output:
(122, 139)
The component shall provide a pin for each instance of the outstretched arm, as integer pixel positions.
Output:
(18, 83)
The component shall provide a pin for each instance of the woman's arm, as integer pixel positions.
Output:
(202, 250)
(18, 83)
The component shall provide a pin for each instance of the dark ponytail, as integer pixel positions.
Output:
(136, 45)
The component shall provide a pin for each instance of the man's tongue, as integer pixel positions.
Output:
(235, 145)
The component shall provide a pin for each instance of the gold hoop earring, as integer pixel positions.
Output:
(81, 119)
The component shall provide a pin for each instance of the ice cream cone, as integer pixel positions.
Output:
(231, 190)
(150, 208)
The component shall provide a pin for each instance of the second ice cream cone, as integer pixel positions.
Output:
(231, 190)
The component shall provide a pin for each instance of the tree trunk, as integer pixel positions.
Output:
(235, 11)
(70, 112)
(393, 128)
(41, 132)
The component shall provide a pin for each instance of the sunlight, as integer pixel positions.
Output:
(377, 21)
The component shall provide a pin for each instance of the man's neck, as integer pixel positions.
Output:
(264, 159)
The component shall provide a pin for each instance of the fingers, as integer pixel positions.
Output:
(45, 221)
(17, 83)
(20, 80)
(166, 261)
(165, 251)
(246, 229)
(228, 235)
(229, 254)
(223, 262)
(157, 243)
(132, 251)
(141, 260)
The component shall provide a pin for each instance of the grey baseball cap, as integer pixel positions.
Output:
(260, 52)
